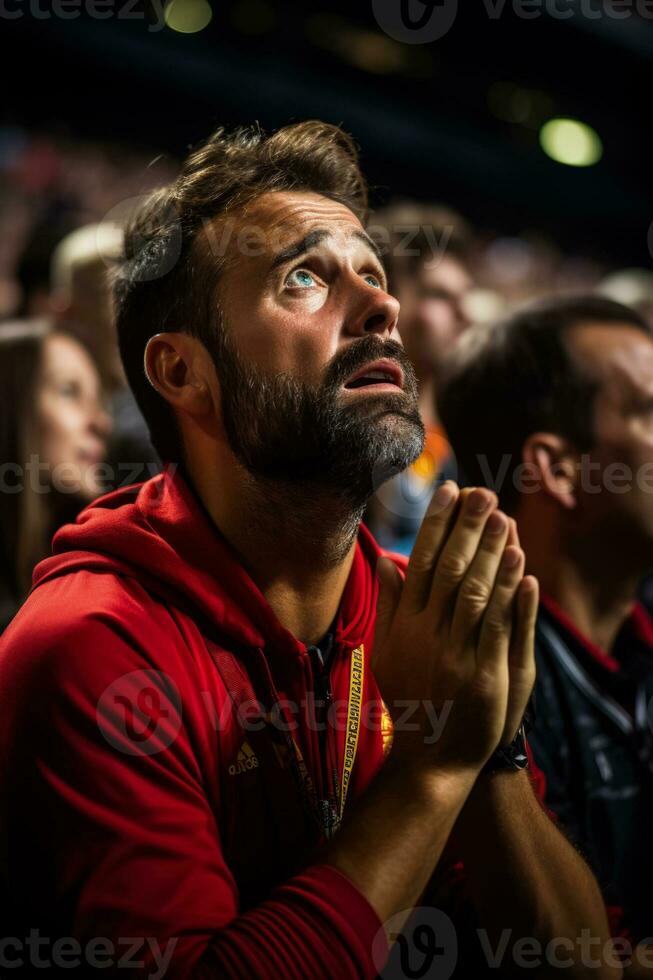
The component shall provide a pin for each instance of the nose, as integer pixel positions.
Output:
(376, 312)
(462, 318)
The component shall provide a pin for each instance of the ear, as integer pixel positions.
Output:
(175, 364)
(552, 460)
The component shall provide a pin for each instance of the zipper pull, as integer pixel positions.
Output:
(321, 685)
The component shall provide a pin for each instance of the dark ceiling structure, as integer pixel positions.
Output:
(457, 119)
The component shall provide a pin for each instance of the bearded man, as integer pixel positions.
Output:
(195, 747)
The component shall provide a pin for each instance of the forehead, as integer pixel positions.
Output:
(61, 353)
(445, 273)
(620, 355)
(277, 219)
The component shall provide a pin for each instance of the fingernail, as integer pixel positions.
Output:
(478, 502)
(511, 557)
(496, 523)
(443, 496)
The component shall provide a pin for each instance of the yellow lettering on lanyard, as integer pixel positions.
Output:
(356, 677)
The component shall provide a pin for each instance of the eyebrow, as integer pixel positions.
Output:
(315, 238)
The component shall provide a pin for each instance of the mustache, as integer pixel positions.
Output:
(361, 352)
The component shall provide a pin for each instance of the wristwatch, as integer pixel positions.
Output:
(513, 757)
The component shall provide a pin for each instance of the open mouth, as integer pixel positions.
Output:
(379, 374)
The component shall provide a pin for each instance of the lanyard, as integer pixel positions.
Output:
(356, 678)
(328, 812)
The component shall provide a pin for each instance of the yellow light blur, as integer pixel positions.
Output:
(571, 142)
(187, 16)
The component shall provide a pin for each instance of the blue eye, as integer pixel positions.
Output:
(375, 282)
(303, 278)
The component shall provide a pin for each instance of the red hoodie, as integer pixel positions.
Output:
(136, 803)
(143, 794)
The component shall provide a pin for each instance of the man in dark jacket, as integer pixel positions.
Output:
(554, 409)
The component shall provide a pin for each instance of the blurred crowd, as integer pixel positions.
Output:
(69, 427)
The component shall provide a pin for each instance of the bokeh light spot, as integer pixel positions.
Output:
(571, 142)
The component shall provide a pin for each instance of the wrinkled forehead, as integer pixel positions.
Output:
(620, 356)
(273, 222)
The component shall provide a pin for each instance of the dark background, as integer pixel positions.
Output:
(438, 121)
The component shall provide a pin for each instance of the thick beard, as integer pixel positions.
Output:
(285, 431)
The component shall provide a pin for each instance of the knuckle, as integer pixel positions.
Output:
(475, 591)
(453, 665)
(451, 567)
(495, 624)
(485, 686)
(471, 522)
(432, 524)
(421, 561)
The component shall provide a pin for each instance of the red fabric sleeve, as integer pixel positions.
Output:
(538, 781)
(131, 839)
(292, 935)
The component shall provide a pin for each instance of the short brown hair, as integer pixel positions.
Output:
(167, 278)
(508, 380)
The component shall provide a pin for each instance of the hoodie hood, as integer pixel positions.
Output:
(159, 533)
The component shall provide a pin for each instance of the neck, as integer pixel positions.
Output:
(296, 543)
(597, 594)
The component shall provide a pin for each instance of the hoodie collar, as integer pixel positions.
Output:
(159, 533)
(638, 624)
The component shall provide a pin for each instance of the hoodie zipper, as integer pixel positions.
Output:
(322, 699)
(325, 814)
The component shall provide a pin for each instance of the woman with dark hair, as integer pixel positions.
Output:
(53, 435)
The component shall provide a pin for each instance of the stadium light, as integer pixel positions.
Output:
(187, 16)
(571, 142)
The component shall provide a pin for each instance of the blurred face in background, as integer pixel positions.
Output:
(619, 516)
(73, 424)
(433, 313)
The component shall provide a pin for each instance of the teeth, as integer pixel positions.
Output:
(371, 377)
